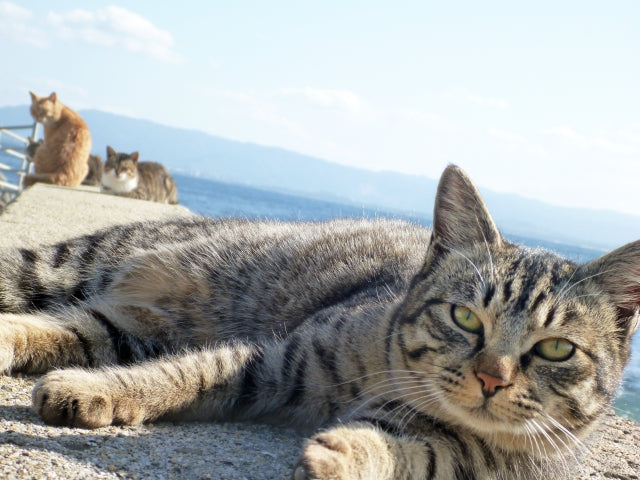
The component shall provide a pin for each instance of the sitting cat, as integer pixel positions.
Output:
(94, 162)
(442, 354)
(61, 159)
(123, 175)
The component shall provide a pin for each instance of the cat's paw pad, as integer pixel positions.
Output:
(325, 457)
(72, 398)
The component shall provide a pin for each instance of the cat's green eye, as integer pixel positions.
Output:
(466, 319)
(555, 349)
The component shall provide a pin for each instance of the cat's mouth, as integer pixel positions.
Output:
(484, 412)
(488, 416)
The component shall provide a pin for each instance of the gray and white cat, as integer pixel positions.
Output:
(425, 354)
(124, 175)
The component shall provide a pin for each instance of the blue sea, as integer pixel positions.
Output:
(217, 199)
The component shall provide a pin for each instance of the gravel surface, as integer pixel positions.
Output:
(31, 450)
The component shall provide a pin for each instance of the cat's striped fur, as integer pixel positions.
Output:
(351, 325)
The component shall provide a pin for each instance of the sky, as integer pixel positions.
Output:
(538, 98)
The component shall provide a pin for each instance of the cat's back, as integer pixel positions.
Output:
(69, 127)
(338, 252)
(314, 249)
(151, 169)
(391, 241)
(158, 181)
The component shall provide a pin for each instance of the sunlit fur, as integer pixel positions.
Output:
(345, 325)
(124, 175)
(514, 301)
(62, 158)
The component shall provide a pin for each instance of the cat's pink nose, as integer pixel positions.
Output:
(490, 384)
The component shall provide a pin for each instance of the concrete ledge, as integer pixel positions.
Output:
(48, 214)
(30, 449)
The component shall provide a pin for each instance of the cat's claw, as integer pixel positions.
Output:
(73, 398)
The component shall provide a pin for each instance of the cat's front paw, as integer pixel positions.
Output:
(79, 398)
(327, 456)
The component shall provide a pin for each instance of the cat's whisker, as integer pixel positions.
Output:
(477, 270)
(385, 373)
(543, 459)
(589, 295)
(395, 394)
(532, 438)
(427, 401)
(544, 431)
(567, 284)
(489, 255)
(561, 435)
(571, 436)
(566, 290)
(409, 385)
(531, 435)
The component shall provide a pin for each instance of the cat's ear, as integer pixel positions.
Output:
(34, 97)
(460, 217)
(618, 274)
(53, 97)
(110, 152)
(134, 156)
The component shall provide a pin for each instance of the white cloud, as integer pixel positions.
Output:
(16, 25)
(13, 11)
(462, 95)
(115, 26)
(506, 136)
(628, 145)
(257, 106)
(488, 101)
(516, 142)
(269, 117)
(250, 98)
(339, 99)
(631, 134)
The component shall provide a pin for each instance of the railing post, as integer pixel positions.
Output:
(25, 166)
(8, 189)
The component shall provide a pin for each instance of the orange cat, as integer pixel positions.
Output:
(62, 157)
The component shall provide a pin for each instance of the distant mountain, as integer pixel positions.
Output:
(197, 153)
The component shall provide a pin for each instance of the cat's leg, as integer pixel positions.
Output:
(89, 335)
(362, 451)
(206, 385)
(137, 193)
(34, 178)
(233, 381)
(35, 343)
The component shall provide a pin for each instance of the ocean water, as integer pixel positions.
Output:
(217, 199)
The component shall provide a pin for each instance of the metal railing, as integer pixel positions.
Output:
(14, 162)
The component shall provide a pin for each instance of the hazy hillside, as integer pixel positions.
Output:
(197, 153)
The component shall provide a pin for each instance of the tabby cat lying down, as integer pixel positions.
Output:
(438, 354)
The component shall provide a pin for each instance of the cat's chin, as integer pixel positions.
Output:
(484, 419)
(511, 435)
